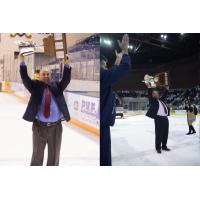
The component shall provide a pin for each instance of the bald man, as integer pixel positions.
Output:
(46, 109)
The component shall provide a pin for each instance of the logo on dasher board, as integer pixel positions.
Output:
(76, 105)
(89, 107)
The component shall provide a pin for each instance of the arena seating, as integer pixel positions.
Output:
(175, 97)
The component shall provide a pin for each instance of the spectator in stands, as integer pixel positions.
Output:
(45, 109)
(191, 116)
(109, 76)
(159, 111)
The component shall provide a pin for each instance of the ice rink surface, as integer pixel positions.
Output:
(133, 143)
(78, 146)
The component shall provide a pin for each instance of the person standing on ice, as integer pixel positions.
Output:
(109, 76)
(46, 108)
(191, 116)
(159, 111)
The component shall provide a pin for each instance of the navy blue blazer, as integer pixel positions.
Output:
(107, 97)
(154, 104)
(36, 88)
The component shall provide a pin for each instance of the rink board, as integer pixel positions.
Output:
(84, 110)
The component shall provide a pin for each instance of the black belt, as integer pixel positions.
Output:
(47, 123)
(159, 116)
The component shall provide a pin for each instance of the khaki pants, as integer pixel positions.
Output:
(191, 119)
(50, 135)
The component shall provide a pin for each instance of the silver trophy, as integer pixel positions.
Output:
(27, 47)
(151, 80)
(160, 79)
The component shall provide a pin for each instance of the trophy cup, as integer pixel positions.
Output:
(159, 80)
(27, 51)
(27, 48)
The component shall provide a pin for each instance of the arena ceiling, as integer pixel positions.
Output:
(152, 48)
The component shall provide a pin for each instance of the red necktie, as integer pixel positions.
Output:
(47, 102)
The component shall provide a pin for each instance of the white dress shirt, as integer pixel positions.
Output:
(161, 110)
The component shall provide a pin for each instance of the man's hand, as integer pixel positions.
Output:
(164, 87)
(148, 85)
(124, 43)
(167, 87)
(64, 61)
(21, 58)
(118, 57)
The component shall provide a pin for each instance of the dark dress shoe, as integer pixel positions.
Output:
(166, 149)
(189, 133)
(158, 151)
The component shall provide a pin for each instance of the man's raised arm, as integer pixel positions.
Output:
(166, 91)
(150, 90)
(66, 78)
(122, 65)
(28, 83)
(116, 73)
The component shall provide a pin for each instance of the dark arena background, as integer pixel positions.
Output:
(151, 53)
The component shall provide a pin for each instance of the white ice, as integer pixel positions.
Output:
(133, 142)
(78, 146)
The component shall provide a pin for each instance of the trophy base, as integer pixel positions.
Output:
(27, 51)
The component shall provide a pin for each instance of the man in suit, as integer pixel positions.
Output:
(109, 76)
(46, 108)
(159, 111)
